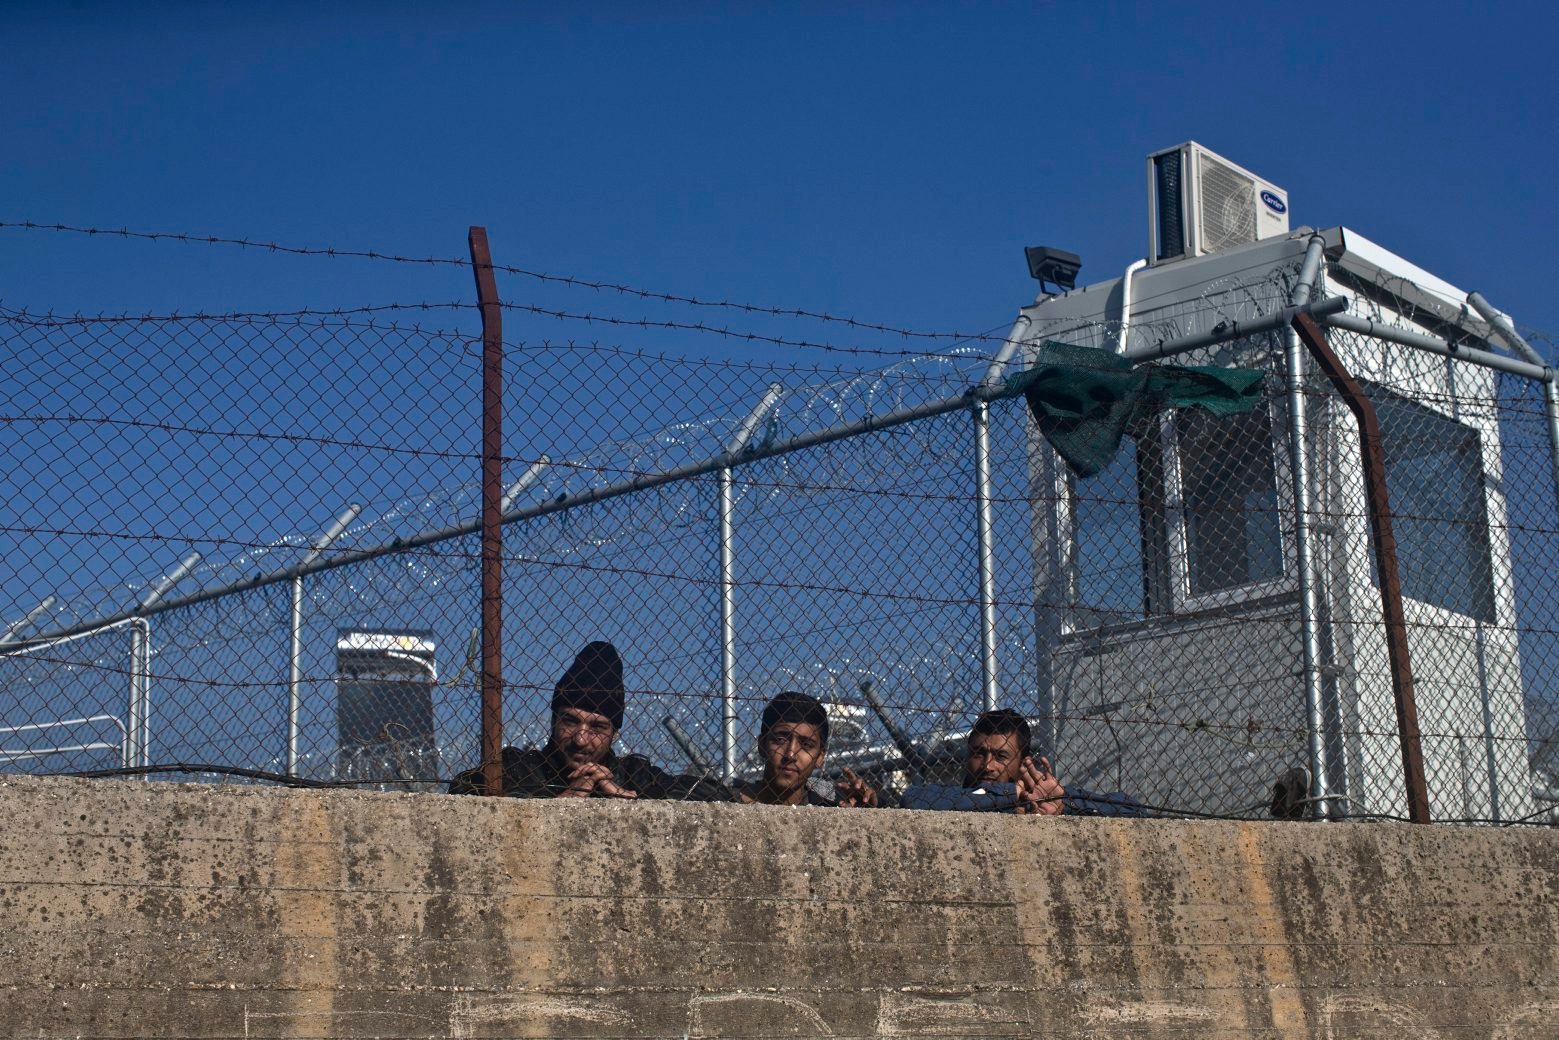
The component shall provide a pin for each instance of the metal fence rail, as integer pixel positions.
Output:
(894, 534)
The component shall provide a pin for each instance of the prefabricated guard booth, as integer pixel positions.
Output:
(1168, 606)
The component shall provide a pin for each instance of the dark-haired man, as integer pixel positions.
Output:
(793, 740)
(588, 704)
(1000, 772)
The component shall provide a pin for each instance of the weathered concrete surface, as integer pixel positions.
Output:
(161, 910)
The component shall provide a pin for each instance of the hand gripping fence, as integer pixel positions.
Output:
(1271, 612)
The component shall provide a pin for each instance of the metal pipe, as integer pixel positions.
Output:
(984, 524)
(1435, 345)
(492, 511)
(141, 663)
(175, 576)
(295, 631)
(984, 517)
(1309, 593)
(1009, 347)
(1506, 330)
(138, 750)
(727, 505)
(18, 627)
(138, 686)
(1379, 506)
(1551, 402)
(727, 623)
(1131, 269)
(645, 481)
(525, 480)
(749, 426)
(1227, 330)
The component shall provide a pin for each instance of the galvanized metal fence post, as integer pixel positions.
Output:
(984, 522)
(727, 507)
(492, 512)
(727, 533)
(139, 723)
(139, 706)
(295, 632)
(984, 516)
(1309, 593)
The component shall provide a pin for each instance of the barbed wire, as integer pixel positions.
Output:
(540, 276)
(52, 320)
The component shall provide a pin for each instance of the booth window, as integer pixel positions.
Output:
(1185, 516)
(1434, 477)
(1230, 502)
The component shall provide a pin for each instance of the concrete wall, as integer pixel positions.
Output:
(160, 910)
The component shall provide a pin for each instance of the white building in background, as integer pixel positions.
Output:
(1166, 589)
(384, 705)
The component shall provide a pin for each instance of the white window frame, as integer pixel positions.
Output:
(1171, 502)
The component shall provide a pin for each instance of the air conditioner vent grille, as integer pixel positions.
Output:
(1171, 226)
(1228, 201)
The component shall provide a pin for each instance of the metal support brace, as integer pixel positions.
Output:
(530, 476)
(1506, 330)
(21, 626)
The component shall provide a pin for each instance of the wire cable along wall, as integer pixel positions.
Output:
(250, 546)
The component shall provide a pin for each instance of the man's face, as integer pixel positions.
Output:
(582, 737)
(993, 759)
(791, 751)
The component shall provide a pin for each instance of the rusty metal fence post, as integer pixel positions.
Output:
(1379, 506)
(492, 512)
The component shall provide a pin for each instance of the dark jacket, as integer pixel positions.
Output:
(539, 773)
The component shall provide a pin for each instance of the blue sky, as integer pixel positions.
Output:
(889, 161)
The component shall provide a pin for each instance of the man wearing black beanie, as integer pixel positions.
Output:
(578, 761)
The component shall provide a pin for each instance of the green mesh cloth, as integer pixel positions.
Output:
(1084, 399)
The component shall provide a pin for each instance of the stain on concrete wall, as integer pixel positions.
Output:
(134, 909)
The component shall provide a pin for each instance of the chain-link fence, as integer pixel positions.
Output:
(896, 533)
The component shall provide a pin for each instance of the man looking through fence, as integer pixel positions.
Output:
(1001, 772)
(588, 704)
(793, 741)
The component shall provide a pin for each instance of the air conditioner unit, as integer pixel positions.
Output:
(1200, 202)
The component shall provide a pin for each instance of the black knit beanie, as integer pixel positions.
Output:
(594, 682)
